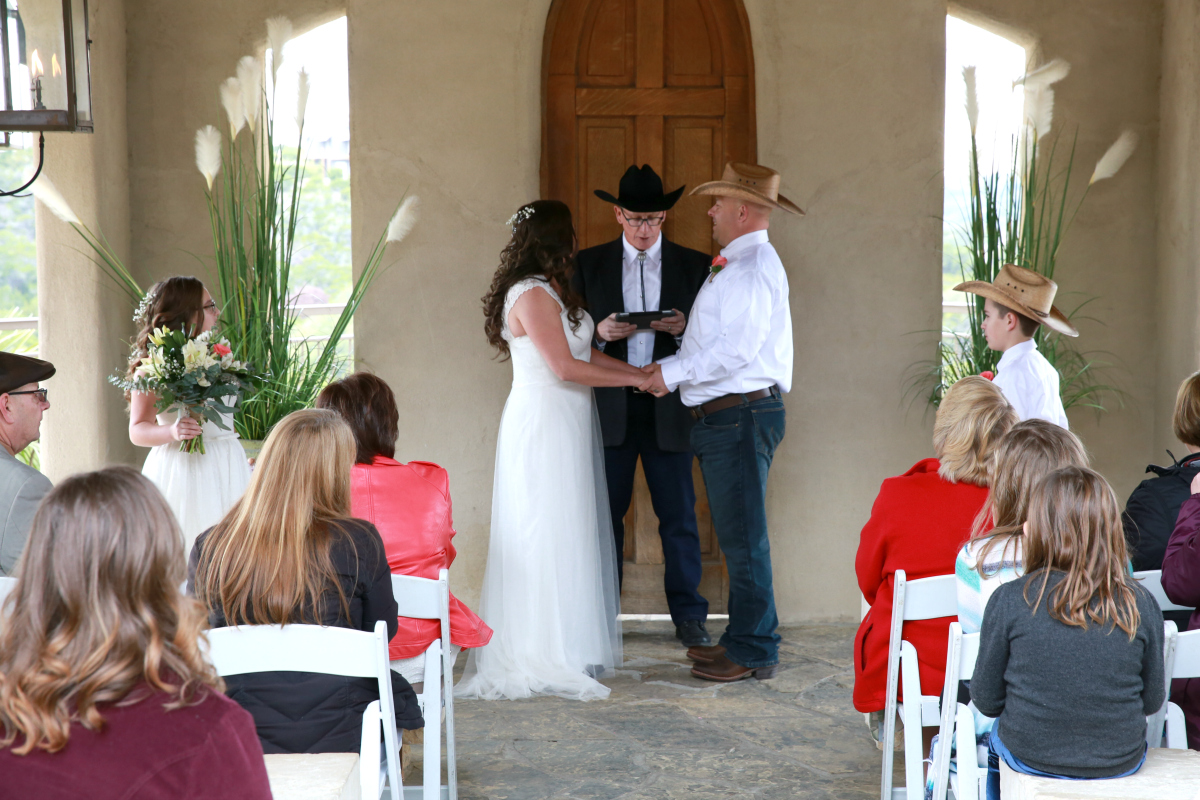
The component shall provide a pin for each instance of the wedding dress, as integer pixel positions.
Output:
(550, 588)
(199, 487)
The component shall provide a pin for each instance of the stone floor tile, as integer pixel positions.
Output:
(800, 673)
(585, 758)
(830, 745)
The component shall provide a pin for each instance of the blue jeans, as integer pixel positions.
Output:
(997, 751)
(735, 447)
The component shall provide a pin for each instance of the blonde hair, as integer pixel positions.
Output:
(97, 611)
(1075, 528)
(1028, 452)
(268, 560)
(971, 419)
(1187, 411)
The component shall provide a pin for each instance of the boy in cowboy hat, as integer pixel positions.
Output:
(22, 403)
(642, 270)
(1014, 304)
(734, 364)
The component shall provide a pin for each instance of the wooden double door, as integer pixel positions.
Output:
(669, 83)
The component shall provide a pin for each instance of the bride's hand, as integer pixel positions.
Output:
(184, 428)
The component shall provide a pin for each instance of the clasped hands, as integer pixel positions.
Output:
(653, 382)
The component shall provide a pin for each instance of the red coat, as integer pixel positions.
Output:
(918, 524)
(410, 505)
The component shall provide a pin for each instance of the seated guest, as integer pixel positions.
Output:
(1152, 509)
(410, 505)
(917, 524)
(104, 691)
(1071, 654)
(22, 487)
(289, 553)
(1181, 582)
(994, 555)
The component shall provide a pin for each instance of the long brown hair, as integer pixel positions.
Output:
(176, 303)
(368, 405)
(97, 611)
(1075, 528)
(542, 246)
(1028, 452)
(268, 561)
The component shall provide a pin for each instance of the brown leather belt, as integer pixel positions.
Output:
(731, 400)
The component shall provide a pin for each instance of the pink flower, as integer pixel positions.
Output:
(221, 349)
(987, 373)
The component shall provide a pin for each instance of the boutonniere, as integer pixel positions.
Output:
(718, 264)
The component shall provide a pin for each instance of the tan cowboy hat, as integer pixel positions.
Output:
(1026, 292)
(750, 182)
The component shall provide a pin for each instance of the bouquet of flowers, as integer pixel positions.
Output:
(195, 376)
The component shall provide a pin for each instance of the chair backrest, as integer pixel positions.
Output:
(295, 648)
(421, 598)
(6, 586)
(928, 598)
(1152, 581)
(968, 654)
(1187, 655)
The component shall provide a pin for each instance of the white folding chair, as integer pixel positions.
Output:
(422, 598)
(332, 651)
(924, 598)
(1182, 662)
(1151, 580)
(958, 722)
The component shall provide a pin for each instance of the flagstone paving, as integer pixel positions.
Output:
(664, 734)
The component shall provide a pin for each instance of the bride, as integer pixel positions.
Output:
(550, 589)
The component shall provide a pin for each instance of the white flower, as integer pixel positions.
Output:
(403, 220)
(231, 98)
(196, 356)
(201, 380)
(250, 78)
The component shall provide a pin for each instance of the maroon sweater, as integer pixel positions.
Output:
(1181, 582)
(208, 751)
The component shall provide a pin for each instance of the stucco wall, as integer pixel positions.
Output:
(1178, 215)
(1114, 48)
(83, 319)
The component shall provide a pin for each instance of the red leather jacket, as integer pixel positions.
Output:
(410, 505)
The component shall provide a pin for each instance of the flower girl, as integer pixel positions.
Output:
(200, 487)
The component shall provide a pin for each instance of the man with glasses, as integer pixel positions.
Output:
(22, 403)
(643, 271)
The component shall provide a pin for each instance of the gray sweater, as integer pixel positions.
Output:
(1071, 701)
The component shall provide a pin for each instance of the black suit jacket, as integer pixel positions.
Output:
(598, 279)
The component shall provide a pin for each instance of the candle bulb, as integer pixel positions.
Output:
(36, 70)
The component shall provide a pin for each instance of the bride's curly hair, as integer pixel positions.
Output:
(542, 246)
(176, 303)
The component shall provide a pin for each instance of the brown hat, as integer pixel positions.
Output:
(1026, 292)
(16, 371)
(750, 182)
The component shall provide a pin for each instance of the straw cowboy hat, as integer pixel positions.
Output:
(1026, 292)
(750, 182)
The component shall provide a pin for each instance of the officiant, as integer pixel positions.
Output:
(643, 271)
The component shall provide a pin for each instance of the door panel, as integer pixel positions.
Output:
(669, 83)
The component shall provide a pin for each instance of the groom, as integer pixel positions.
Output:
(644, 271)
(733, 365)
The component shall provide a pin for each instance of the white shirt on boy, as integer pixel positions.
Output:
(1030, 384)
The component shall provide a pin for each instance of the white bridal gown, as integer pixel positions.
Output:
(200, 488)
(550, 590)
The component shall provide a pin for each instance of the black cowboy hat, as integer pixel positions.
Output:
(641, 191)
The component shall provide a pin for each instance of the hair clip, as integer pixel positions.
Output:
(139, 315)
(523, 213)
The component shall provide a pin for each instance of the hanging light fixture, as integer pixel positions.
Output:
(47, 80)
(45, 69)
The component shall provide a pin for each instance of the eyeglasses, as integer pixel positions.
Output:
(211, 305)
(649, 222)
(41, 393)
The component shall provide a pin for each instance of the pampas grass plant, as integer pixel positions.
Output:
(1021, 218)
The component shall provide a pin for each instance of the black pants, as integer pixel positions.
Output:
(669, 476)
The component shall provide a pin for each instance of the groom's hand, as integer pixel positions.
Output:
(654, 381)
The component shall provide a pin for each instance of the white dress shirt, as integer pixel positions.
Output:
(1030, 384)
(635, 279)
(739, 336)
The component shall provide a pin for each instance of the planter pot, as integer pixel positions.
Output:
(252, 447)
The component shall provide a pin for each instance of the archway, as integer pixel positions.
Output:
(669, 83)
